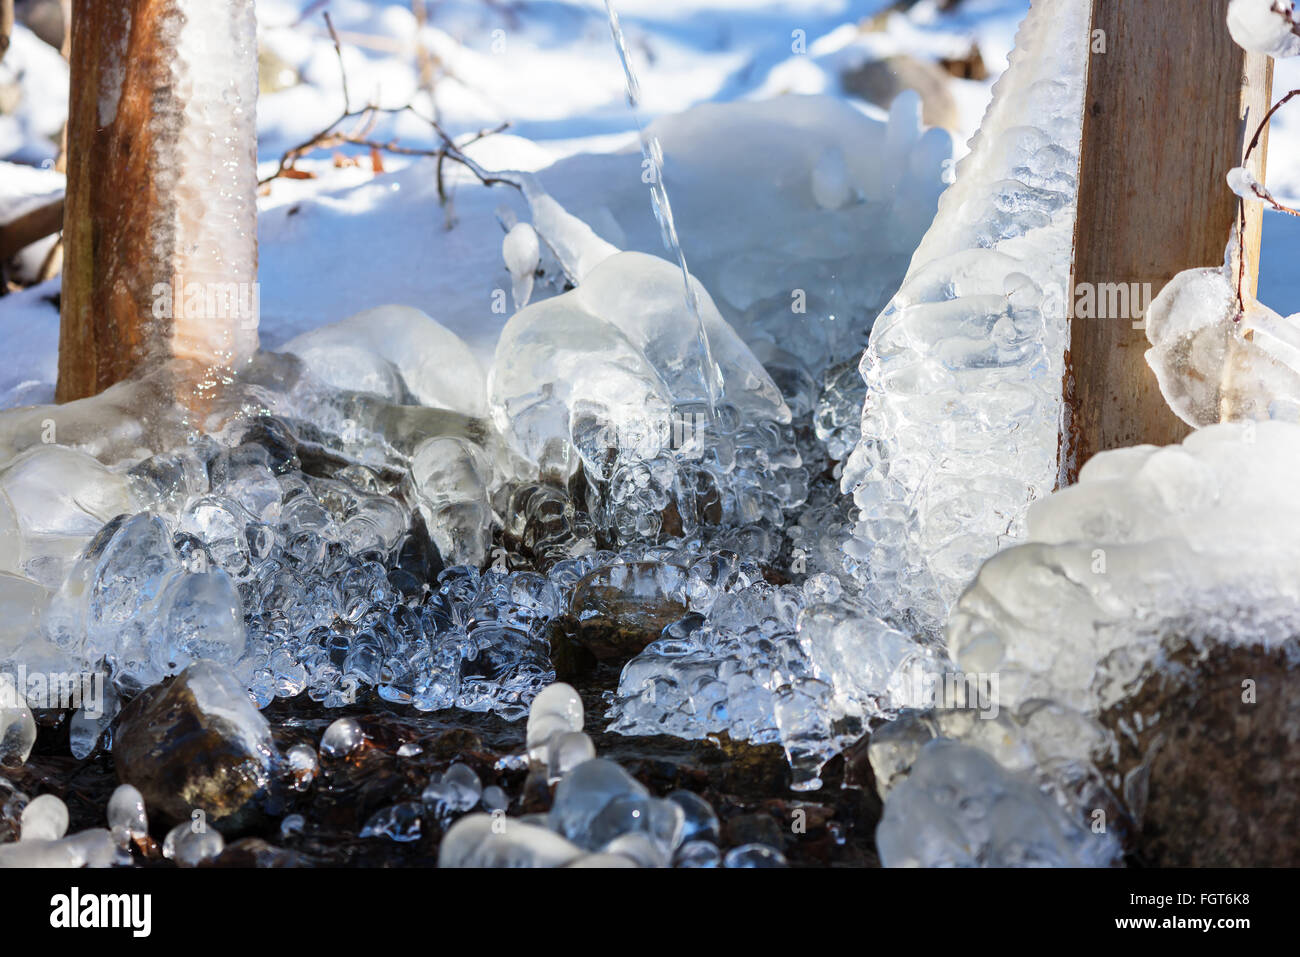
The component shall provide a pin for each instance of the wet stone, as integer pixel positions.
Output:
(196, 743)
(618, 609)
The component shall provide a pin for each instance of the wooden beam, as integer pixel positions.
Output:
(1171, 104)
(150, 187)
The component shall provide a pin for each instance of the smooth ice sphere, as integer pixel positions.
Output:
(190, 848)
(302, 764)
(1265, 26)
(401, 823)
(662, 820)
(698, 854)
(44, 819)
(126, 812)
(699, 822)
(434, 363)
(17, 726)
(565, 751)
(494, 840)
(341, 738)
(583, 793)
(559, 700)
(495, 799)
(960, 808)
(754, 855)
(457, 790)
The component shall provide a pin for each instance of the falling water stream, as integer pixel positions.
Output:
(653, 158)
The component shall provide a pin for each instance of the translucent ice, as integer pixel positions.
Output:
(341, 738)
(1218, 357)
(608, 376)
(126, 812)
(17, 726)
(493, 840)
(964, 367)
(45, 819)
(583, 794)
(433, 362)
(1265, 26)
(1155, 553)
(960, 808)
(61, 498)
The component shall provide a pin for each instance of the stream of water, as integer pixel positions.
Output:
(653, 164)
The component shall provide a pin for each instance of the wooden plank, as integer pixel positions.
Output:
(132, 223)
(1172, 103)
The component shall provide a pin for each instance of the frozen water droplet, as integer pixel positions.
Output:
(44, 819)
(754, 855)
(126, 812)
(341, 738)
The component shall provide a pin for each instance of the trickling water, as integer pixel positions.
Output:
(653, 155)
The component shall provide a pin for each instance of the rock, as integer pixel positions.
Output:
(196, 744)
(880, 81)
(619, 609)
(1209, 758)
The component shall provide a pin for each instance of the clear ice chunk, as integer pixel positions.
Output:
(964, 366)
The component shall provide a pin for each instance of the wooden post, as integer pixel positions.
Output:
(1172, 103)
(6, 25)
(160, 226)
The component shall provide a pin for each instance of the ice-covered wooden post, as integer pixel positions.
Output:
(1172, 103)
(161, 213)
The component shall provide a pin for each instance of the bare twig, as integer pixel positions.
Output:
(366, 118)
(1259, 191)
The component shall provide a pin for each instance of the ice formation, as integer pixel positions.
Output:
(959, 808)
(609, 376)
(1156, 555)
(601, 816)
(44, 841)
(1219, 357)
(1265, 26)
(964, 367)
(800, 213)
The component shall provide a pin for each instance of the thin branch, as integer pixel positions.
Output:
(366, 119)
(1265, 196)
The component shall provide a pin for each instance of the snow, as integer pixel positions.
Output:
(1265, 26)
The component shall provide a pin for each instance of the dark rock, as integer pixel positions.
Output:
(196, 743)
(755, 829)
(1209, 758)
(617, 610)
